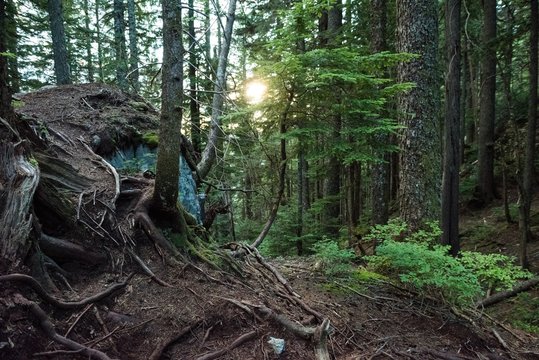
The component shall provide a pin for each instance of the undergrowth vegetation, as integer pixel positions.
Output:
(420, 261)
(415, 259)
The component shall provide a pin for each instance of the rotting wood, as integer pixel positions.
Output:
(48, 328)
(18, 182)
(62, 304)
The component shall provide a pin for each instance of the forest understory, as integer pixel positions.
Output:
(113, 293)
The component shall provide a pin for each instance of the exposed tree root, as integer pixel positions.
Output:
(62, 304)
(60, 249)
(239, 341)
(158, 352)
(48, 328)
(147, 270)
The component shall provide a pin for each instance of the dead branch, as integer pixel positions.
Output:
(499, 297)
(48, 328)
(303, 332)
(239, 341)
(34, 284)
(78, 319)
(274, 271)
(156, 354)
(320, 338)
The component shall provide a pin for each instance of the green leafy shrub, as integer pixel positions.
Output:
(334, 260)
(428, 268)
(421, 262)
(524, 312)
(494, 271)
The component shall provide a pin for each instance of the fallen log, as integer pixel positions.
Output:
(502, 295)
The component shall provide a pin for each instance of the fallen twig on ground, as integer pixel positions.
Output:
(239, 341)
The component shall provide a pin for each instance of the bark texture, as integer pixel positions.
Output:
(133, 46)
(214, 138)
(61, 64)
(529, 162)
(119, 44)
(487, 104)
(18, 182)
(380, 169)
(167, 167)
(420, 161)
(450, 183)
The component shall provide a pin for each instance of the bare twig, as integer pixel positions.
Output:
(239, 341)
(156, 354)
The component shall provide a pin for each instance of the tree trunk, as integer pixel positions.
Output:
(98, 39)
(168, 156)
(210, 151)
(194, 108)
(529, 162)
(88, 41)
(487, 105)
(450, 183)
(332, 189)
(419, 191)
(11, 46)
(380, 169)
(119, 44)
(61, 63)
(133, 46)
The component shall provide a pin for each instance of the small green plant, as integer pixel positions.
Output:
(524, 312)
(499, 211)
(494, 271)
(428, 268)
(334, 260)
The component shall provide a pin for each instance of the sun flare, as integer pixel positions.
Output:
(255, 91)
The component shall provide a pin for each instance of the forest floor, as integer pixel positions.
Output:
(194, 311)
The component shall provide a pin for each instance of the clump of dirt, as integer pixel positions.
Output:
(191, 310)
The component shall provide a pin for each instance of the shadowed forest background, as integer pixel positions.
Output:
(381, 155)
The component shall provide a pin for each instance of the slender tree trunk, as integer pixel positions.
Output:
(450, 183)
(194, 108)
(133, 46)
(98, 38)
(487, 106)
(13, 39)
(420, 161)
(61, 62)
(119, 44)
(528, 173)
(167, 166)
(333, 182)
(210, 151)
(380, 169)
(88, 41)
